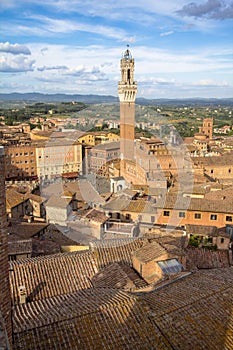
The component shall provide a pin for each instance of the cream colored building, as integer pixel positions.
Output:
(57, 157)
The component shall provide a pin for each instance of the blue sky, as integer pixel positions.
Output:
(181, 48)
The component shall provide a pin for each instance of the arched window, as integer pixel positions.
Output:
(128, 75)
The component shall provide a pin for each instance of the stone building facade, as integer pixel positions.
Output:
(100, 155)
(57, 157)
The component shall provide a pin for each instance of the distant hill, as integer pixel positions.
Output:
(39, 97)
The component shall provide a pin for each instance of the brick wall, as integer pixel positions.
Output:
(20, 162)
(5, 303)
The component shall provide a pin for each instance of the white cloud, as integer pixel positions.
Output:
(14, 49)
(211, 83)
(42, 69)
(55, 26)
(167, 33)
(17, 64)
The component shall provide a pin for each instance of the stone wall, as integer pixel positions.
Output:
(5, 303)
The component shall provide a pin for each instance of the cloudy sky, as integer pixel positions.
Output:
(181, 48)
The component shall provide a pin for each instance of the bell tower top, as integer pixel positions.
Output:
(127, 87)
(127, 54)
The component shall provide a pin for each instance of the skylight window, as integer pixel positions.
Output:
(170, 266)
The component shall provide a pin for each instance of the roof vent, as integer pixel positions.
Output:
(22, 294)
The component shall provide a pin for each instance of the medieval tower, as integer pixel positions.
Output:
(127, 90)
(207, 127)
(5, 302)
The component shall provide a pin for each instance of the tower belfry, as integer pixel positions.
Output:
(127, 90)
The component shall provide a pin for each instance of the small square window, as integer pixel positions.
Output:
(181, 214)
(197, 215)
(213, 217)
(229, 218)
(166, 213)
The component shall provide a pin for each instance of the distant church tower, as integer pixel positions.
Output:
(127, 90)
(207, 127)
(5, 301)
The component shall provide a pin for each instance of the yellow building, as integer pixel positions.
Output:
(95, 138)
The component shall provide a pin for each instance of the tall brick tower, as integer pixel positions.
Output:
(5, 301)
(207, 127)
(127, 90)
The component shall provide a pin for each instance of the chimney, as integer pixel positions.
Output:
(22, 294)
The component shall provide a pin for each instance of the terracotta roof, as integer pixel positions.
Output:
(115, 250)
(201, 230)
(27, 230)
(4, 342)
(178, 315)
(89, 193)
(108, 146)
(35, 197)
(117, 204)
(51, 275)
(58, 202)
(23, 246)
(223, 195)
(213, 161)
(195, 312)
(195, 204)
(96, 215)
(89, 319)
(44, 247)
(118, 275)
(55, 235)
(14, 198)
(150, 251)
(140, 206)
(202, 258)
